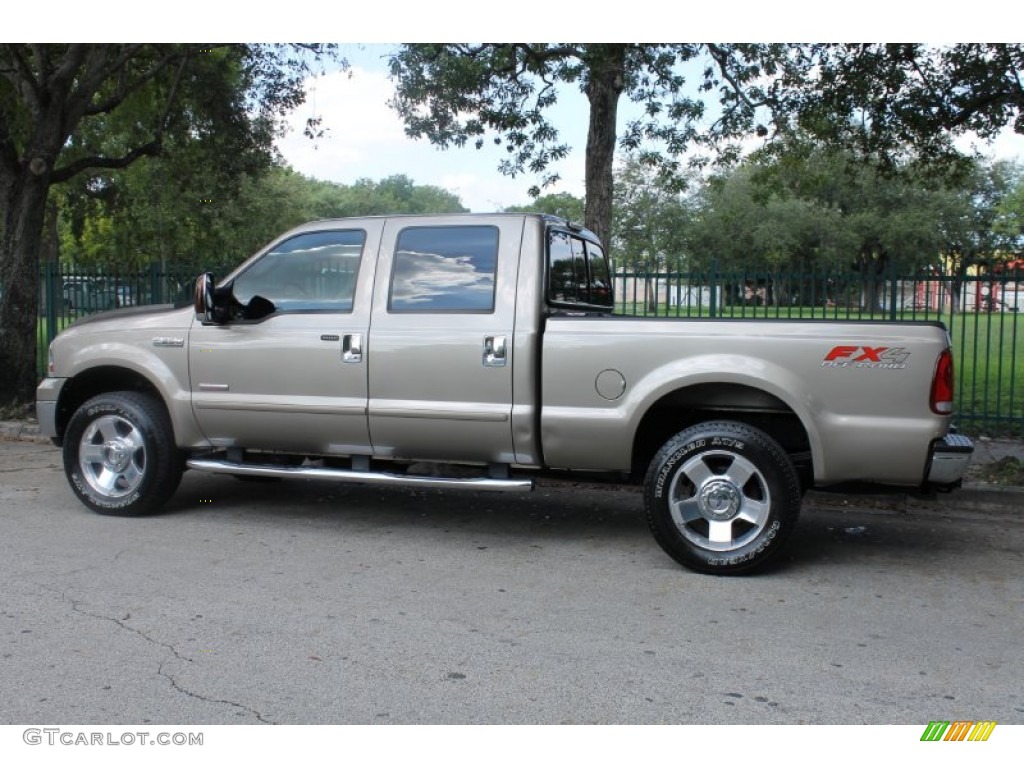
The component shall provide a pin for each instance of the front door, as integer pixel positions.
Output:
(296, 378)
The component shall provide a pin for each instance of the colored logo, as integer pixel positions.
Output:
(866, 357)
(958, 730)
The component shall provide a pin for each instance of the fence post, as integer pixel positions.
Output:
(51, 280)
(155, 288)
(893, 290)
(713, 285)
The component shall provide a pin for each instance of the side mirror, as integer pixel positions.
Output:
(203, 300)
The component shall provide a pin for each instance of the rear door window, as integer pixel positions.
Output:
(444, 269)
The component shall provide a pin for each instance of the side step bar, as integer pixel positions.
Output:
(353, 476)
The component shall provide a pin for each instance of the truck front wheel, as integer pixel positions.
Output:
(722, 497)
(120, 456)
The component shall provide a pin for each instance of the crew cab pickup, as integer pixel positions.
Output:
(362, 350)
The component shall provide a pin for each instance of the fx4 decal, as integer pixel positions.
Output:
(866, 357)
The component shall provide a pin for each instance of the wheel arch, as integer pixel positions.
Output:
(685, 406)
(96, 381)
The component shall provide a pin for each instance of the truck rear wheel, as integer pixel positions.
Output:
(120, 456)
(722, 497)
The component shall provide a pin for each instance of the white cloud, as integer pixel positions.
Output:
(357, 122)
(365, 138)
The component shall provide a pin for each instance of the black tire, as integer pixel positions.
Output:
(120, 456)
(722, 497)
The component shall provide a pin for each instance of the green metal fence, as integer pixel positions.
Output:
(984, 313)
(68, 293)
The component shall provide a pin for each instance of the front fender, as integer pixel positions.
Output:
(163, 365)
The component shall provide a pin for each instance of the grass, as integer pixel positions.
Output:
(989, 357)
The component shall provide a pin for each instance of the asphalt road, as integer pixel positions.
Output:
(311, 603)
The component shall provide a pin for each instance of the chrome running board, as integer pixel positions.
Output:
(354, 476)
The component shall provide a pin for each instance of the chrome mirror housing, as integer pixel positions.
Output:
(203, 299)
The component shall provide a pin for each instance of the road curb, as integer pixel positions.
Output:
(986, 494)
(26, 431)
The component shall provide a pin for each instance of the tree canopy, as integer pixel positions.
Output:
(814, 208)
(885, 98)
(457, 93)
(562, 204)
(69, 109)
(139, 221)
(881, 100)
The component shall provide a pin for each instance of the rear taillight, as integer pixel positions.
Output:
(942, 384)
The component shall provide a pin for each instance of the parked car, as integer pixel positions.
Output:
(88, 294)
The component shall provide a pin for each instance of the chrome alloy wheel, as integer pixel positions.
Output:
(112, 456)
(719, 500)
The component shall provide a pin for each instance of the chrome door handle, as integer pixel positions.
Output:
(494, 351)
(352, 348)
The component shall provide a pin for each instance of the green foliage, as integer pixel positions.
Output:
(836, 206)
(152, 212)
(458, 94)
(882, 99)
(395, 194)
(891, 104)
(1009, 214)
(653, 221)
(805, 207)
(562, 204)
(67, 110)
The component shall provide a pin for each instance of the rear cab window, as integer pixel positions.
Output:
(578, 277)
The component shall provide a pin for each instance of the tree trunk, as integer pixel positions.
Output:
(606, 82)
(49, 248)
(872, 268)
(24, 214)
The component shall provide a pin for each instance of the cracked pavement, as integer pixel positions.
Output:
(300, 602)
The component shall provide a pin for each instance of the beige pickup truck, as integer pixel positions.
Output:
(485, 347)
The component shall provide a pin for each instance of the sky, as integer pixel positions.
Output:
(365, 139)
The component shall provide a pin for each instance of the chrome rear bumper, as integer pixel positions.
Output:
(949, 460)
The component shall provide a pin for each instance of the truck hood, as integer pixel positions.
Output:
(161, 314)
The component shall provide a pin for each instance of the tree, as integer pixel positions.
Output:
(69, 109)
(169, 210)
(1009, 219)
(394, 194)
(458, 93)
(651, 225)
(972, 223)
(807, 206)
(883, 100)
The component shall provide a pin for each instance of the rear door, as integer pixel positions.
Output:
(441, 339)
